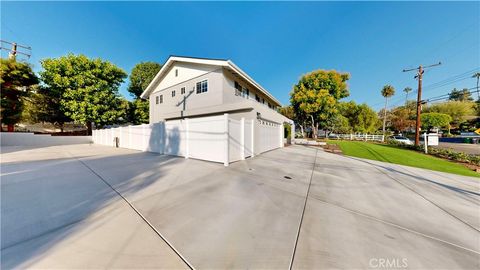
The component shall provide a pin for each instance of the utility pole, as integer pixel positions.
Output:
(419, 77)
(477, 75)
(14, 50)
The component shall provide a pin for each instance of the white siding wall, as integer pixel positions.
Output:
(188, 76)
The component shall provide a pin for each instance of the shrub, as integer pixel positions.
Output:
(442, 153)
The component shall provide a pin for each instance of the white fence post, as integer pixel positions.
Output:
(242, 138)
(227, 143)
(187, 138)
(253, 138)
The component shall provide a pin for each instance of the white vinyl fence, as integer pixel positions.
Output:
(214, 138)
(359, 137)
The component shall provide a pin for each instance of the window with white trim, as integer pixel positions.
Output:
(182, 90)
(173, 93)
(161, 98)
(202, 87)
(156, 99)
(176, 72)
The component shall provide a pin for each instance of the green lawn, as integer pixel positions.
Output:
(392, 154)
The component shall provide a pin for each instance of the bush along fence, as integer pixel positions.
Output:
(214, 138)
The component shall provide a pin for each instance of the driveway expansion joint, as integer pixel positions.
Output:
(137, 212)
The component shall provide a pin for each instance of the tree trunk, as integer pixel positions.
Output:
(314, 131)
(89, 128)
(10, 128)
(302, 131)
(384, 116)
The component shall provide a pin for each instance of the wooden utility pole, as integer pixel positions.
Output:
(14, 50)
(419, 77)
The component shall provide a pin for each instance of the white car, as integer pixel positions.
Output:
(401, 139)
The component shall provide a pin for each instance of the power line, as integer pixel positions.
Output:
(14, 50)
(447, 96)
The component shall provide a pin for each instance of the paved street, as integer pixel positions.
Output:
(89, 206)
(473, 149)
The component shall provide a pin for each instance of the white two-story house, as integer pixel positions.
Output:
(188, 87)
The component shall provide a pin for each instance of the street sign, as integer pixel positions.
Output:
(477, 131)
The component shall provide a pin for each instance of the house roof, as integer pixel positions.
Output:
(206, 61)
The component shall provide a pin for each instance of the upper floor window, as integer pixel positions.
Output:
(161, 98)
(238, 89)
(176, 72)
(156, 99)
(257, 98)
(182, 90)
(202, 87)
(246, 93)
(173, 93)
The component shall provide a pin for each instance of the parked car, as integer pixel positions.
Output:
(401, 139)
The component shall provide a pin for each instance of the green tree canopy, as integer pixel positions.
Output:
(89, 88)
(458, 110)
(287, 111)
(388, 91)
(361, 117)
(16, 80)
(316, 95)
(138, 112)
(435, 120)
(141, 76)
(43, 105)
(460, 95)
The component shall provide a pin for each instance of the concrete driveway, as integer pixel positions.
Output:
(89, 206)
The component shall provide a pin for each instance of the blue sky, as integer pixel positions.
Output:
(274, 42)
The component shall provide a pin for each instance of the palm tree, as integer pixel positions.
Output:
(407, 90)
(387, 92)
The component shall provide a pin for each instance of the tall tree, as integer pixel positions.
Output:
(89, 88)
(44, 105)
(435, 120)
(138, 112)
(16, 80)
(460, 95)
(458, 110)
(361, 117)
(407, 90)
(141, 76)
(387, 92)
(316, 95)
(287, 111)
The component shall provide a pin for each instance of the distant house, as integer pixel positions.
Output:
(188, 87)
